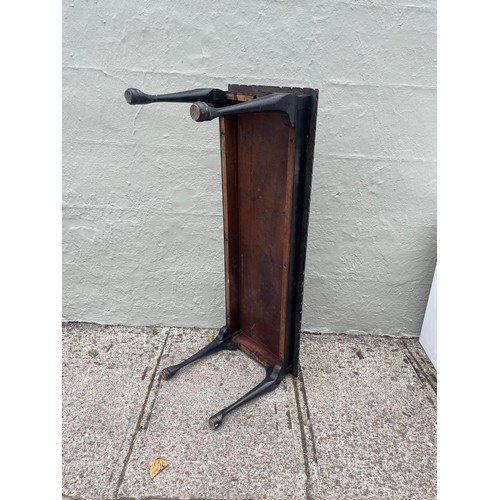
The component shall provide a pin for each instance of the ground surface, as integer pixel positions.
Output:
(359, 422)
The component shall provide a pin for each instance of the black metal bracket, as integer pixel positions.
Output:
(283, 103)
(213, 103)
(213, 96)
(222, 341)
(273, 378)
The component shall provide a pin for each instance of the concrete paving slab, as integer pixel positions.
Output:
(358, 422)
(107, 373)
(372, 418)
(257, 453)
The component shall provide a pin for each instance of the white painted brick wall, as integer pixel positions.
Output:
(142, 214)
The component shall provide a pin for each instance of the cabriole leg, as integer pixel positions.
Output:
(272, 380)
(222, 341)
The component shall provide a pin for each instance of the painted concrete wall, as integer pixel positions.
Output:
(142, 214)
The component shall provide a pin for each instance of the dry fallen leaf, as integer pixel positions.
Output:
(156, 466)
(210, 337)
(155, 331)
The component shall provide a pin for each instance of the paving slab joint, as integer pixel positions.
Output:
(422, 367)
(306, 433)
(138, 426)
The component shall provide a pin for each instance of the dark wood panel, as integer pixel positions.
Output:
(258, 351)
(263, 225)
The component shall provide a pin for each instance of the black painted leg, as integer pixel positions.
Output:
(272, 380)
(222, 341)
